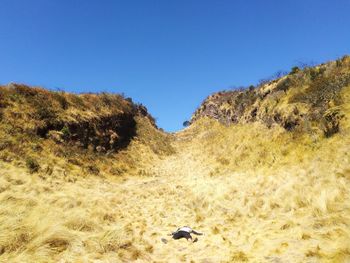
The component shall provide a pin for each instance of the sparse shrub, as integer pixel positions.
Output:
(331, 122)
(277, 75)
(302, 65)
(289, 124)
(186, 123)
(129, 99)
(314, 73)
(295, 70)
(66, 132)
(284, 84)
(263, 82)
(251, 88)
(32, 164)
(273, 78)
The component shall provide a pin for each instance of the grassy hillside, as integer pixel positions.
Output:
(265, 187)
(306, 100)
(85, 133)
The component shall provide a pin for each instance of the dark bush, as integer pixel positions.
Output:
(289, 125)
(186, 123)
(295, 70)
(32, 164)
(129, 99)
(66, 132)
(331, 123)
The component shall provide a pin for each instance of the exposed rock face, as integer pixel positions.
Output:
(303, 99)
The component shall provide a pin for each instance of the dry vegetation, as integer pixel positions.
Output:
(260, 193)
(301, 100)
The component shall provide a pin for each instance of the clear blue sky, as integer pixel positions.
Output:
(168, 55)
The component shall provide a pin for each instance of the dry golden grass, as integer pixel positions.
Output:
(276, 202)
(257, 194)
